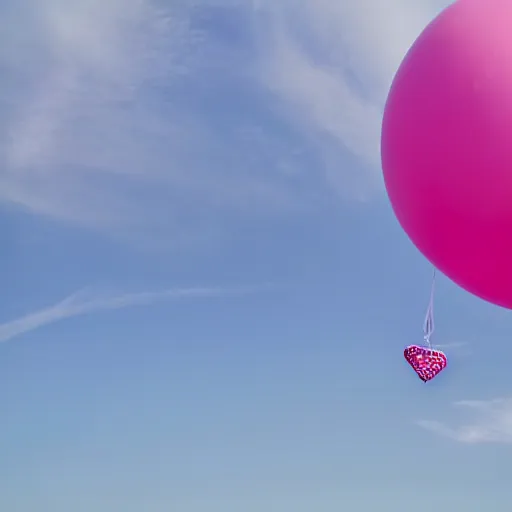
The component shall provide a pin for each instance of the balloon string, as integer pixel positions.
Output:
(428, 325)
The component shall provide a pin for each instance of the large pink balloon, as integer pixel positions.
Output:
(447, 146)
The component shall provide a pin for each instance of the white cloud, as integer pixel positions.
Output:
(333, 63)
(111, 118)
(460, 347)
(85, 301)
(118, 114)
(491, 423)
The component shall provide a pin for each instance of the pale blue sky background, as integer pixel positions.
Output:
(205, 293)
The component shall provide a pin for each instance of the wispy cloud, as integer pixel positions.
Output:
(491, 423)
(87, 301)
(124, 115)
(333, 62)
(460, 347)
(453, 344)
(149, 117)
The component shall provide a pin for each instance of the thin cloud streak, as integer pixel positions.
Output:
(82, 303)
(462, 348)
(452, 345)
(491, 423)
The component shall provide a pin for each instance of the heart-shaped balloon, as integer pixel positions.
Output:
(427, 363)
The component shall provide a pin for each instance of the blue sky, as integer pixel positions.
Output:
(206, 295)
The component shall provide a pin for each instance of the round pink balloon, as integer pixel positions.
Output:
(447, 146)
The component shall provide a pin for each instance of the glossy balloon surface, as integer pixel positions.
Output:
(447, 146)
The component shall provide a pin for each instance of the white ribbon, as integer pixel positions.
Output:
(428, 325)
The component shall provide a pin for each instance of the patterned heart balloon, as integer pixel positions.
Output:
(427, 363)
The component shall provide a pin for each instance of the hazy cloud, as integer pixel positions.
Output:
(490, 422)
(162, 118)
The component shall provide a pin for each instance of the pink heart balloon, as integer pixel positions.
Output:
(427, 363)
